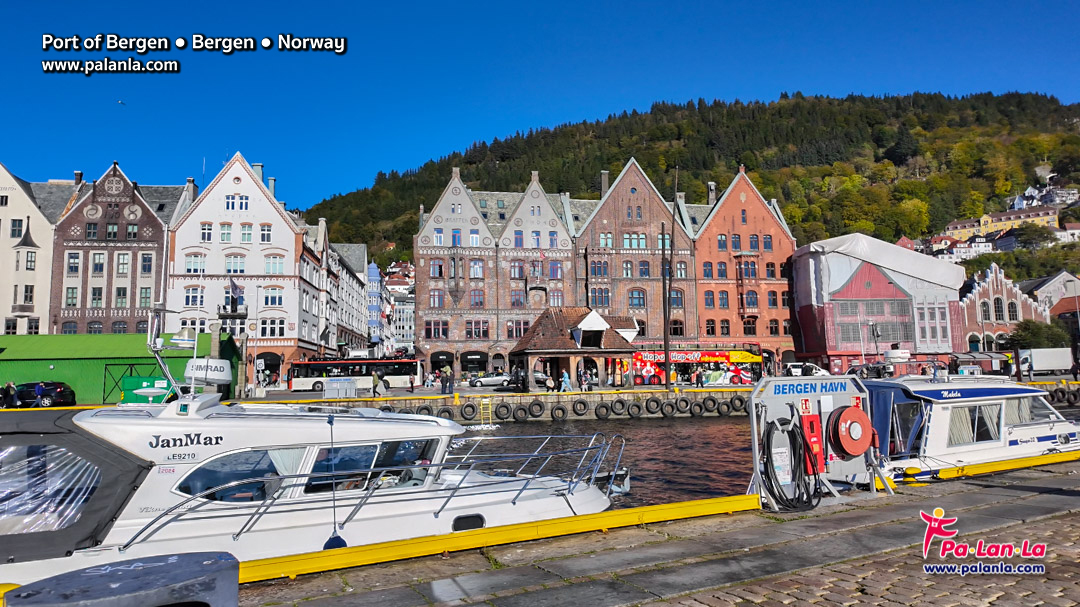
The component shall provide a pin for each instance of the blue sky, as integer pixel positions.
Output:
(421, 79)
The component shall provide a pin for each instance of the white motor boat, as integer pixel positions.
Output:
(929, 424)
(83, 488)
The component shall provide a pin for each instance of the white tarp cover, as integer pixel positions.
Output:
(889, 256)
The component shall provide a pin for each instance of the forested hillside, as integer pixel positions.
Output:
(885, 166)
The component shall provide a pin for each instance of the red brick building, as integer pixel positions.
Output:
(743, 250)
(991, 306)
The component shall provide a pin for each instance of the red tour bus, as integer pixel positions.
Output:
(723, 367)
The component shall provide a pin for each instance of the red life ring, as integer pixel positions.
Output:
(850, 432)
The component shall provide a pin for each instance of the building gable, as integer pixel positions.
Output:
(112, 199)
(869, 282)
(454, 210)
(632, 187)
(238, 173)
(20, 197)
(535, 214)
(742, 194)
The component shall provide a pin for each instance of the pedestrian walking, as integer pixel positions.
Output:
(450, 384)
(565, 387)
(9, 396)
(1075, 370)
(444, 381)
(699, 379)
(374, 384)
(1030, 371)
(39, 391)
(412, 380)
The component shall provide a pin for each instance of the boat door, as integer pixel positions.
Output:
(1032, 423)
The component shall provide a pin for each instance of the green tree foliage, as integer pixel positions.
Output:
(835, 165)
(1035, 334)
(1023, 264)
(1033, 236)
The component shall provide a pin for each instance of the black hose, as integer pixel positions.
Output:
(805, 497)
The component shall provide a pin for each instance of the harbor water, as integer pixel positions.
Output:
(670, 460)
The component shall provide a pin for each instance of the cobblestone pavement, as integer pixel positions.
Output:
(897, 578)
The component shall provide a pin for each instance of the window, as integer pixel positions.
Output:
(73, 263)
(753, 242)
(725, 327)
(123, 263)
(536, 239)
(641, 327)
(436, 268)
(230, 202)
(606, 239)
(245, 232)
(847, 308)
(600, 298)
(91, 231)
(785, 299)
(849, 332)
(974, 424)
(627, 269)
(96, 297)
(766, 242)
(721, 269)
(638, 212)
(28, 294)
(11, 326)
(736, 244)
(627, 242)
(677, 328)
(774, 328)
(243, 202)
(71, 297)
(751, 299)
(474, 238)
(710, 327)
(517, 298)
(194, 264)
(16, 228)
(877, 308)
(121, 297)
(193, 297)
(743, 213)
(706, 269)
(555, 270)
(206, 231)
(519, 239)
(722, 299)
(676, 298)
(275, 264)
(710, 302)
(476, 268)
(3, 201)
(476, 329)
(999, 309)
(517, 269)
(94, 328)
(555, 298)
(272, 327)
(226, 232)
(255, 463)
(436, 298)
(69, 328)
(770, 269)
(721, 242)
(787, 327)
(598, 268)
(785, 270)
(476, 298)
(1014, 314)
(985, 310)
(553, 239)
(663, 241)
(144, 297)
(637, 298)
(749, 326)
(234, 264)
(772, 299)
(680, 269)
(132, 231)
(273, 296)
(629, 212)
(147, 266)
(455, 238)
(643, 269)
(119, 327)
(112, 230)
(436, 329)
(516, 328)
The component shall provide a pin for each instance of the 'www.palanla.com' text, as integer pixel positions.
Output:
(107, 65)
(981, 568)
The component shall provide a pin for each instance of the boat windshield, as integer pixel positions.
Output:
(897, 417)
(43, 488)
(1029, 410)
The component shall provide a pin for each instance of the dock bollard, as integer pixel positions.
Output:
(194, 578)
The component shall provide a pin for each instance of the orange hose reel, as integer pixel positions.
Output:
(850, 432)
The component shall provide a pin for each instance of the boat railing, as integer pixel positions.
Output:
(592, 456)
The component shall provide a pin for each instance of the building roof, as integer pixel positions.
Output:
(889, 256)
(551, 332)
(1066, 305)
(354, 255)
(697, 213)
(162, 199)
(53, 197)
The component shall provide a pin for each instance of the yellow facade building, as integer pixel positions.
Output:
(1000, 222)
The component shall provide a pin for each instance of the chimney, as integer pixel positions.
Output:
(421, 217)
(273, 181)
(457, 173)
(603, 183)
(712, 193)
(78, 177)
(680, 197)
(535, 176)
(742, 168)
(191, 190)
(257, 167)
(215, 339)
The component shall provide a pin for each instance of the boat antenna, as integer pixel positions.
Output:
(335, 540)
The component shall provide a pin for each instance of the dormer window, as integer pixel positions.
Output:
(483, 203)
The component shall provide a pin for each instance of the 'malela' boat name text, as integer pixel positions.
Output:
(187, 440)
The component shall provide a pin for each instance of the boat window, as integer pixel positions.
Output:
(1029, 410)
(405, 453)
(974, 424)
(229, 468)
(906, 421)
(43, 488)
(350, 467)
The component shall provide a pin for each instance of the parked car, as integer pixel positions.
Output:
(56, 393)
(539, 378)
(801, 369)
(871, 370)
(493, 379)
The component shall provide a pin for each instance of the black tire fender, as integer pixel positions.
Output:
(469, 411)
(537, 408)
(445, 413)
(387, 408)
(1060, 395)
(652, 405)
(635, 409)
(723, 408)
(521, 413)
(697, 409)
(405, 411)
(581, 407)
(502, 411)
(738, 403)
(618, 406)
(425, 410)
(668, 408)
(1074, 397)
(709, 402)
(682, 404)
(603, 410)
(559, 413)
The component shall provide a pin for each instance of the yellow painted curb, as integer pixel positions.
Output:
(79, 408)
(339, 558)
(1009, 464)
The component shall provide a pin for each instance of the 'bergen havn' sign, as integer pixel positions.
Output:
(810, 387)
